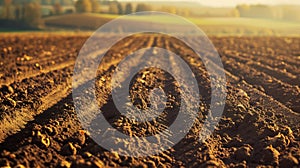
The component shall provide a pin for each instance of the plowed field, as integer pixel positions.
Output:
(259, 126)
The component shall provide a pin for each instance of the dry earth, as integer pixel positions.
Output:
(259, 127)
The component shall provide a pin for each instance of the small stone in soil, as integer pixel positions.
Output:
(87, 154)
(241, 107)
(270, 156)
(242, 93)
(10, 102)
(43, 139)
(4, 162)
(64, 164)
(68, 149)
(8, 89)
(50, 130)
(79, 137)
(243, 153)
(287, 131)
(278, 141)
(97, 162)
(288, 161)
(240, 165)
(211, 163)
(19, 166)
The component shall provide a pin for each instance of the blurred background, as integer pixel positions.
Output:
(237, 17)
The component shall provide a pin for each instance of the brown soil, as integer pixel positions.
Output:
(259, 127)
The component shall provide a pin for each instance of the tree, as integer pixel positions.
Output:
(128, 8)
(234, 13)
(83, 6)
(256, 11)
(169, 9)
(57, 9)
(120, 8)
(244, 10)
(33, 15)
(18, 11)
(113, 8)
(183, 12)
(143, 7)
(46, 2)
(66, 2)
(95, 6)
(8, 10)
(291, 13)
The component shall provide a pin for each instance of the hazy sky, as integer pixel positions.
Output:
(235, 2)
(219, 3)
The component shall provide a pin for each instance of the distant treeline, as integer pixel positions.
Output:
(24, 12)
(282, 12)
(41, 2)
(30, 12)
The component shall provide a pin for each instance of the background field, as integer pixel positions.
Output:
(210, 25)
